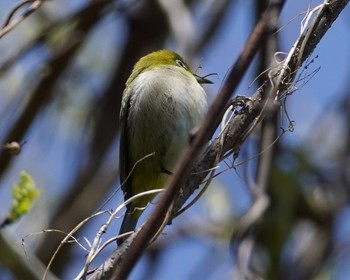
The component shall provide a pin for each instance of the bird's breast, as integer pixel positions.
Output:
(165, 106)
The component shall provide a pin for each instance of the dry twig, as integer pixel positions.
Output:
(12, 22)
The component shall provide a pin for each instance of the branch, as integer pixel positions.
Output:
(11, 23)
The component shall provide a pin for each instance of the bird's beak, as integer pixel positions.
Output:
(202, 80)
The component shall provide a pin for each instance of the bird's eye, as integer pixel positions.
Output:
(180, 63)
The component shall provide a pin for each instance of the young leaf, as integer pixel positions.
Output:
(24, 195)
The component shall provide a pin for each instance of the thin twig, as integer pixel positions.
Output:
(95, 245)
(11, 23)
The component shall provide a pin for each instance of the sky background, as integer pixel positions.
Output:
(47, 155)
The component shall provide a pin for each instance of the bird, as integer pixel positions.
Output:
(162, 103)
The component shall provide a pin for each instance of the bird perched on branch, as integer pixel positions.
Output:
(162, 102)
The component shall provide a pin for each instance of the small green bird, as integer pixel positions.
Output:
(162, 102)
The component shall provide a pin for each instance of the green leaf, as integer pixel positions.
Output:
(24, 194)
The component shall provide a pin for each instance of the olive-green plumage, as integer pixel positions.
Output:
(162, 102)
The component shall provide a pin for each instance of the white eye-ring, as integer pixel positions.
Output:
(180, 63)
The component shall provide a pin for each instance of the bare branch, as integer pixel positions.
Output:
(11, 23)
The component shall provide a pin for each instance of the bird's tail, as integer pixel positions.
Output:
(128, 224)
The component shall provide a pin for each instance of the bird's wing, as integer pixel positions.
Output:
(124, 161)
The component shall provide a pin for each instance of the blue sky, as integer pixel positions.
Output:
(305, 107)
